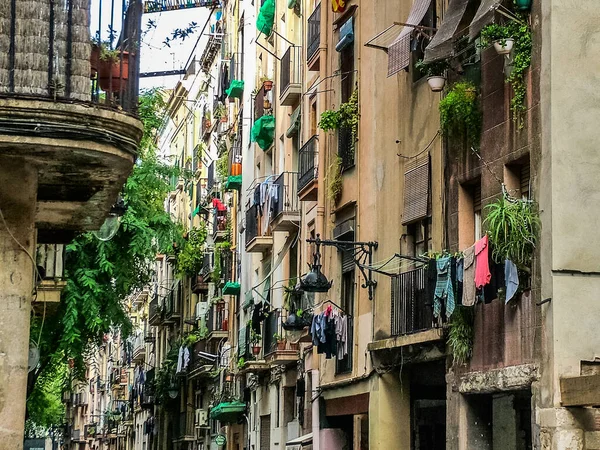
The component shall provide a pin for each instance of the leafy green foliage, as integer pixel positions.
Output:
(460, 334)
(190, 258)
(494, 32)
(460, 117)
(330, 120)
(223, 167)
(513, 228)
(334, 179)
(432, 69)
(219, 248)
(100, 275)
(44, 405)
(165, 376)
(346, 117)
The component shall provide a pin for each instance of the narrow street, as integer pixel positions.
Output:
(299, 225)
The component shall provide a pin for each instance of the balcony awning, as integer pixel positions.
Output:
(231, 288)
(483, 16)
(266, 17)
(263, 132)
(399, 50)
(228, 412)
(441, 46)
(294, 123)
(236, 89)
(234, 182)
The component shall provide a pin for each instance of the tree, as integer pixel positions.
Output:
(101, 275)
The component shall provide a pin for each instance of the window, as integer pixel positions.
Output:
(469, 214)
(420, 42)
(517, 178)
(313, 116)
(419, 235)
(347, 304)
(347, 72)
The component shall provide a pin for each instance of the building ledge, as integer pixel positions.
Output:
(583, 390)
(254, 366)
(278, 357)
(499, 380)
(260, 244)
(434, 334)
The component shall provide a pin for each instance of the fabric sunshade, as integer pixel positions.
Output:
(234, 182)
(441, 46)
(483, 16)
(399, 50)
(236, 89)
(294, 123)
(266, 17)
(196, 211)
(263, 132)
(416, 190)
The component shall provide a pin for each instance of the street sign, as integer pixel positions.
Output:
(152, 6)
(220, 439)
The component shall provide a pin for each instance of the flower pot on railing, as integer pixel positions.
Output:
(256, 349)
(294, 345)
(280, 345)
(266, 104)
(436, 83)
(113, 73)
(504, 46)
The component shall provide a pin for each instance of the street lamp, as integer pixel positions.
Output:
(315, 280)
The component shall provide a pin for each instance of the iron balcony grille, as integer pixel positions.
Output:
(412, 303)
(287, 194)
(211, 177)
(313, 37)
(290, 69)
(307, 167)
(251, 223)
(346, 147)
(271, 326)
(226, 265)
(219, 221)
(259, 104)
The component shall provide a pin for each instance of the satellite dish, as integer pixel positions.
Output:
(34, 356)
(108, 229)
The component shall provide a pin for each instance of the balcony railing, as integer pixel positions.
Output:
(286, 200)
(154, 313)
(259, 104)
(308, 163)
(219, 221)
(184, 424)
(252, 223)
(211, 177)
(346, 147)
(313, 37)
(217, 317)
(271, 326)
(290, 69)
(412, 303)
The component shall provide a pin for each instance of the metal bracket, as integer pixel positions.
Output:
(363, 256)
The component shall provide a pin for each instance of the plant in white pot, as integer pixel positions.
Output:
(499, 36)
(435, 72)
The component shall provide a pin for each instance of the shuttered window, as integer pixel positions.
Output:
(525, 177)
(416, 190)
(265, 432)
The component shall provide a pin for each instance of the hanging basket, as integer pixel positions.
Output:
(113, 75)
(504, 46)
(436, 83)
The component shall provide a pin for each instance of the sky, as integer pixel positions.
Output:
(156, 56)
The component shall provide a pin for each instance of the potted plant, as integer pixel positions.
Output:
(280, 341)
(255, 340)
(266, 103)
(241, 362)
(499, 36)
(267, 83)
(435, 72)
(112, 66)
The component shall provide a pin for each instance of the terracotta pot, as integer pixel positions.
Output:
(295, 346)
(236, 169)
(224, 119)
(94, 60)
(266, 104)
(268, 85)
(504, 48)
(112, 75)
(256, 349)
(436, 83)
(280, 345)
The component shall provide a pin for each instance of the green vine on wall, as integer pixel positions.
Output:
(334, 179)
(460, 334)
(345, 117)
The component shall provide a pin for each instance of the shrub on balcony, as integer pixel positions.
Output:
(190, 258)
(513, 227)
(220, 247)
(460, 117)
(345, 117)
(460, 334)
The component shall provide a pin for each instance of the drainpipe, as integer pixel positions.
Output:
(315, 410)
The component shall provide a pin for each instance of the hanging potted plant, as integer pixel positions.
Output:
(112, 67)
(435, 72)
(499, 36)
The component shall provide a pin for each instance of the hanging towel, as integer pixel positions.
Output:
(444, 292)
(186, 357)
(180, 360)
(482, 265)
(460, 268)
(468, 297)
(511, 275)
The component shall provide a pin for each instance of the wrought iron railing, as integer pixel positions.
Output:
(313, 37)
(286, 199)
(290, 68)
(259, 104)
(271, 326)
(252, 227)
(307, 163)
(219, 221)
(346, 147)
(411, 303)
(211, 177)
(154, 312)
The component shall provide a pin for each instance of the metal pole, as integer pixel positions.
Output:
(315, 409)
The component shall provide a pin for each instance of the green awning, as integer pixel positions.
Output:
(236, 89)
(196, 211)
(228, 412)
(266, 17)
(231, 288)
(263, 132)
(294, 123)
(234, 182)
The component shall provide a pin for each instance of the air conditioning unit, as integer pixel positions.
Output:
(201, 418)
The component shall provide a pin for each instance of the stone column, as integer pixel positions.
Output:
(18, 188)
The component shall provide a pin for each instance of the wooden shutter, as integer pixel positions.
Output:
(525, 176)
(265, 432)
(477, 197)
(416, 190)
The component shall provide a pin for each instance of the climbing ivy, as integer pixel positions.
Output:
(460, 117)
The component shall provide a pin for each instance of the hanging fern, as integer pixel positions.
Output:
(460, 334)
